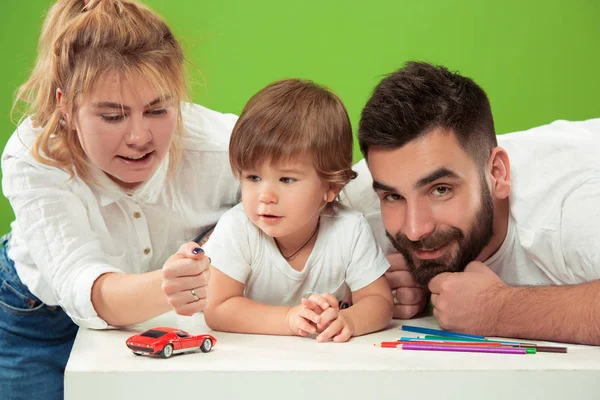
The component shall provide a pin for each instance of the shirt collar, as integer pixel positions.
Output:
(109, 192)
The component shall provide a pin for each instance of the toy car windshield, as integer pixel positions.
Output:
(153, 333)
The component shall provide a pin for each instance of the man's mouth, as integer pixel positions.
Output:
(431, 253)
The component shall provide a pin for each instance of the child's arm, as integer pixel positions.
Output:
(228, 310)
(372, 311)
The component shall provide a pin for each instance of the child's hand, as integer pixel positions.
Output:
(185, 275)
(302, 321)
(325, 305)
(340, 329)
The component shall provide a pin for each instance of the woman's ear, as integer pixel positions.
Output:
(499, 168)
(61, 105)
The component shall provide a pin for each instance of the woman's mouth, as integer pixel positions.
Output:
(137, 159)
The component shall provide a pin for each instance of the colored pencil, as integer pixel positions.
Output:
(476, 344)
(448, 338)
(540, 349)
(470, 349)
(429, 331)
(437, 339)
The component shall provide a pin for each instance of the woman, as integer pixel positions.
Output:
(110, 176)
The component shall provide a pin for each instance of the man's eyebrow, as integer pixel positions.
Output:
(380, 186)
(108, 104)
(434, 176)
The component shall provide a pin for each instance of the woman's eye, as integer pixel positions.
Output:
(113, 117)
(158, 112)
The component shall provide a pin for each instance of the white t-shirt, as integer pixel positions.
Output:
(67, 233)
(345, 253)
(554, 224)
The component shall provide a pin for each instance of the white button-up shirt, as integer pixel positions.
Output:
(68, 233)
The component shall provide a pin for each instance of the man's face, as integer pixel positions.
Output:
(435, 203)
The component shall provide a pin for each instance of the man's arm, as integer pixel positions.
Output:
(569, 313)
(476, 301)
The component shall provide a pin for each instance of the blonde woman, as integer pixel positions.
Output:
(110, 176)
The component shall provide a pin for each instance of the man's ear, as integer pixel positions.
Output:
(499, 168)
(61, 104)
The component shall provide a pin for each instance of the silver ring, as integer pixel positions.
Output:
(394, 297)
(196, 298)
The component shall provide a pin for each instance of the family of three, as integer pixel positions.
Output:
(111, 174)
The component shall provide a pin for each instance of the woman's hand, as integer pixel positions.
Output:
(185, 276)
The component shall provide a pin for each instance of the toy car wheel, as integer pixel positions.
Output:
(167, 351)
(206, 345)
(137, 353)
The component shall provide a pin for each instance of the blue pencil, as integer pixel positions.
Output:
(429, 331)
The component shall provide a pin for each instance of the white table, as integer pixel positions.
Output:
(271, 367)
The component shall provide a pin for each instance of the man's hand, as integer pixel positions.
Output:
(409, 297)
(468, 301)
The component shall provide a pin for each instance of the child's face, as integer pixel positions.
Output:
(285, 200)
(125, 131)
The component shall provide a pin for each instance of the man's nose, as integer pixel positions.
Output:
(419, 221)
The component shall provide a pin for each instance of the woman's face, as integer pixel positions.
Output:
(125, 129)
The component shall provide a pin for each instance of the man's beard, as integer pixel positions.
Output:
(469, 247)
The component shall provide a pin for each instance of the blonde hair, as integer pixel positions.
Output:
(81, 42)
(291, 118)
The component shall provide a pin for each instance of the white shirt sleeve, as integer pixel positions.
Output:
(54, 223)
(580, 231)
(229, 246)
(368, 261)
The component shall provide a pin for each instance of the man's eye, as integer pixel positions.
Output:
(441, 190)
(391, 197)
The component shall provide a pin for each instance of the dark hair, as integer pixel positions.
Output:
(420, 97)
(291, 118)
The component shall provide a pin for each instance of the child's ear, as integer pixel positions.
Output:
(331, 193)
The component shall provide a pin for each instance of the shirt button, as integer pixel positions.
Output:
(129, 194)
(136, 215)
(147, 250)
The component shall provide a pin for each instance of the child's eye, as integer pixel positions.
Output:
(113, 117)
(253, 178)
(287, 180)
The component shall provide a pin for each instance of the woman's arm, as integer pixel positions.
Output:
(126, 299)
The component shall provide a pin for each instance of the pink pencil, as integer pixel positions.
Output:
(469, 349)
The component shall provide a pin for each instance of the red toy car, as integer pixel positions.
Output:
(165, 342)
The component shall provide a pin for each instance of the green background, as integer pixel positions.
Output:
(537, 60)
